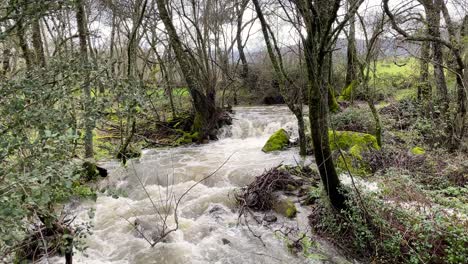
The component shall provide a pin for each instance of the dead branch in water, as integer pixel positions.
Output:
(258, 195)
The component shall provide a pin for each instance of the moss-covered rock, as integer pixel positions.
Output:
(278, 141)
(353, 144)
(285, 207)
(90, 171)
(418, 151)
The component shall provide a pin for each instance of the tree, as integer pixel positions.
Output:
(205, 107)
(319, 17)
(293, 96)
(454, 44)
(351, 51)
(87, 100)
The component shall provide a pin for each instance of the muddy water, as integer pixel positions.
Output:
(207, 217)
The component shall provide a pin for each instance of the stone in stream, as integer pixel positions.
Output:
(270, 218)
(285, 207)
(278, 141)
(225, 241)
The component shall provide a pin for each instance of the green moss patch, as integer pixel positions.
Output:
(278, 141)
(347, 92)
(418, 151)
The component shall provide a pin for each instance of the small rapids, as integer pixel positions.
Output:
(207, 215)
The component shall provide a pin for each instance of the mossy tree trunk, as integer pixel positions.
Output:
(424, 86)
(433, 11)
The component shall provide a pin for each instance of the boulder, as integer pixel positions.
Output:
(353, 144)
(285, 207)
(278, 141)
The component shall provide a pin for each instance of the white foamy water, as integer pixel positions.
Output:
(207, 216)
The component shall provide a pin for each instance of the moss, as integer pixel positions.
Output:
(353, 144)
(197, 125)
(278, 141)
(347, 92)
(90, 171)
(332, 102)
(285, 207)
(346, 140)
(187, 138)
(418, 151)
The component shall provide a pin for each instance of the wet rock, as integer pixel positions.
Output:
(278, 141)
(270, 218)
(91, 171)
(273, 99)
(225, 241)
(215, 208)
(285, 207)
(353, 145)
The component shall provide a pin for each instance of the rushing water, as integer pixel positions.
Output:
(207, 216)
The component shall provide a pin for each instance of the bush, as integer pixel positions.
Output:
(383, 232)
(354, 119)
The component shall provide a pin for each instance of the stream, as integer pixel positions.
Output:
(207, 216)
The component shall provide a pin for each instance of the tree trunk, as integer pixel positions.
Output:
(23, 43)
(351, 68)
(82, 36)
(424, 87)
(37, 43)
(433, 20)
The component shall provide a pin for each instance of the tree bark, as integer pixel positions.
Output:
(433, 10)
(351, 53)
(424, 87)
(23, 43)
(37, 43)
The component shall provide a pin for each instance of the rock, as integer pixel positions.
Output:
(270, 218)
(285, 207)
(274, 99)
(91, 171)
(278, 141)
(418, 151)
(225, 241)
(353, 144)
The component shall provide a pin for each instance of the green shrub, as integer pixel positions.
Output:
(383, 232)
